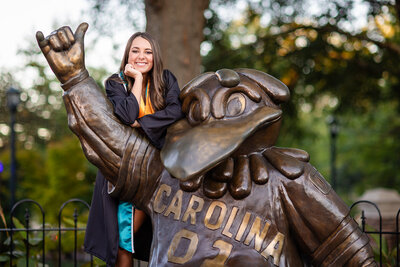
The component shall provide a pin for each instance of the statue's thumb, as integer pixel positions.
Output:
(43, 43)
(80, 32)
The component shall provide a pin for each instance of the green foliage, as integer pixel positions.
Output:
(53, 176)
(21, 240)
(35, 243)
(69, 174)
(377, 159)
(389, 256)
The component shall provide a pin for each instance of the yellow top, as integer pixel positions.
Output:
(145, 108)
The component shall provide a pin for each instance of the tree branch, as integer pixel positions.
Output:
(397, 7)
(393, 47)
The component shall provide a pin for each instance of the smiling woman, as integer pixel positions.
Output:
(144, 96)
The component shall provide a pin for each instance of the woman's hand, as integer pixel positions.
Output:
(135, 124)
(131, 72)
(137, 75)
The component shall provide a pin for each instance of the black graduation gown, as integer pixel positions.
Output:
(102, 237)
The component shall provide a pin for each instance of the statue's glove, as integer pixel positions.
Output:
(64, 51)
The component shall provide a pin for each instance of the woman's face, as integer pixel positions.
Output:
(141, 55)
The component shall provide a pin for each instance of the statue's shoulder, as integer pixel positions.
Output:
(293, 163)
(290, 162)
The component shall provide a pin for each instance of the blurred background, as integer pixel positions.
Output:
(339, 58)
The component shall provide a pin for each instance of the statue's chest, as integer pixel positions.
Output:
(191, 229)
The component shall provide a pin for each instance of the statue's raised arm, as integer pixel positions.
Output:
(90, 115)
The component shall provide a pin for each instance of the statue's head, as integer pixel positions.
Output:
(229, 113)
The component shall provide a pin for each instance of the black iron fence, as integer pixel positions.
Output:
(387, 252)
(20, 236)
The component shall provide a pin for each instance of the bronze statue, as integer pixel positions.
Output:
(226, 196)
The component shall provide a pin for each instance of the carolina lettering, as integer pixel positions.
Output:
(157, 204)
(230, 222)
(255, 233)
(194, 240)
(274, 249)
(211, 210)
(190, 211)
(243, 226)
(216, 218)
(175, 206)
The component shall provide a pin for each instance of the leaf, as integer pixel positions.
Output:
(15, 253)
(68, 221)
(4, 258)
(22, 262)
(33, 241)
(17, 223)
(16, 242)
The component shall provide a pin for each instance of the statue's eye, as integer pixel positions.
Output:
(235, 105)
(195, 111)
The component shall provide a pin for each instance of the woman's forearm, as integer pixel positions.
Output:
(137, 88)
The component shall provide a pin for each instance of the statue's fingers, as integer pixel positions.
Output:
(39, 37)
(69, 34)
(42, 42)
(80, 32)
(55, 42)
(62, 36)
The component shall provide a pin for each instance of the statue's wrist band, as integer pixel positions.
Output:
(75, 80)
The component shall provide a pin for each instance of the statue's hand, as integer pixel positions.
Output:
(64, 51)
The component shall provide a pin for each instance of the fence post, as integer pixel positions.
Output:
(380, 224)
(75, 228)
(27, 218)
(397, 239)
(75, 235)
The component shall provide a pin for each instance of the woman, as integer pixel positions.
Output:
(147, 97)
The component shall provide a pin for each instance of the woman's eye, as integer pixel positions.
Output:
(235, 105)
(149, 52)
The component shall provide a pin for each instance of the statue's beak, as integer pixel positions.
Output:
(192, 150)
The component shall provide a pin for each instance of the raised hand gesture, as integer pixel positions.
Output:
(64, 51)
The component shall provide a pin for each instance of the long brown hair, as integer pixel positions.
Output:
(157, 84)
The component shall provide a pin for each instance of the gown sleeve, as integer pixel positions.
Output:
(155, 125)
(126, 106)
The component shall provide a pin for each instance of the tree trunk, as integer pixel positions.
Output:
(178, 26)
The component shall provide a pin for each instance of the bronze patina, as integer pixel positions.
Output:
(219, 193)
